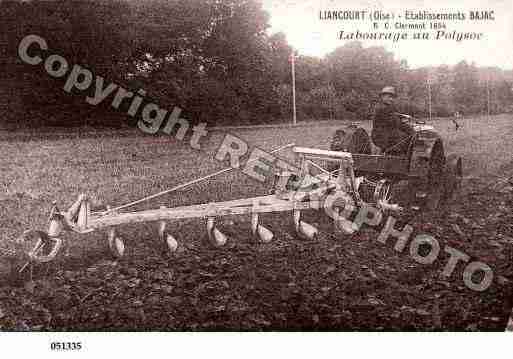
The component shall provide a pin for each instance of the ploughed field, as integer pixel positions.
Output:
(336, 282)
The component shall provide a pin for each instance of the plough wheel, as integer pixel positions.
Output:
(116, 244)
(351, 139)
(38, 246)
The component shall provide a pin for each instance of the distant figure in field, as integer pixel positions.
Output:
(389, 132)
(457, 116)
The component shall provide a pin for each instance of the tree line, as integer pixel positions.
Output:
(216, 60)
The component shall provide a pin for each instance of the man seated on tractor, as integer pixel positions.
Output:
(389, 132)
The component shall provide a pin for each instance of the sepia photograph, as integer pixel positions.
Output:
(253, 166)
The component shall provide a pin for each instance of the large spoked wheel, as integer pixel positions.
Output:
(435, 185)
(351, 139)
(355, 140)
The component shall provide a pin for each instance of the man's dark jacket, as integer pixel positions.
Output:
(387, 127)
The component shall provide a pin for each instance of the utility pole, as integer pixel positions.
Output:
(407, 91)
(292, 61)
(332, 112)
(429, 96)
(488, 94)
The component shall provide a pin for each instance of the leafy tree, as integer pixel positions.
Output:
(88, 33)
(467, 93)
(215, 60)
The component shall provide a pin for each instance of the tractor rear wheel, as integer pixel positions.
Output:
(351, 139)
(355, 140)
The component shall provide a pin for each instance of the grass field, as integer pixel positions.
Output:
(288, 284)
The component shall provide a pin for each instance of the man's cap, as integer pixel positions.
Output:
(388, 90)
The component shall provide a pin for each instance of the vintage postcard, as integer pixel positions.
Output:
(172, 166)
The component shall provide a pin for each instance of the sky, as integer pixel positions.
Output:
(306, 32)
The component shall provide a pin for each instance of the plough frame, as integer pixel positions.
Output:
(307, 192)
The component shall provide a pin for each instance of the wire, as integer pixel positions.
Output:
(398, 143)
(320, 168)
(183, 185)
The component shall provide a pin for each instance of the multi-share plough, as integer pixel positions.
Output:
(349, 172)
(293, 192)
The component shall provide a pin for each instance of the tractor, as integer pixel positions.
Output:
(423, 178)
